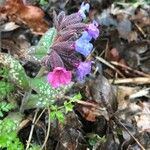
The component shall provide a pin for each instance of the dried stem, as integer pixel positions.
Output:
(48, 130)
(128, 68)
(120, 123)
(109, 65)
(138, 80)
(32, 129)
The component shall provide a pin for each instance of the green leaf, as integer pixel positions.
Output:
(5, 107)
(53, 115)
(34, 147)
(46, 95)
(60, 116)
(76, 97)
(57, 114)
(44, 45)
(5, 88)
(43, 2)
(68, 106)
(8, 135)
(16, 72)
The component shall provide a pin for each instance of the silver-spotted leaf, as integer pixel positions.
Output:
(46, 94)
(42, 48)
(16, 72)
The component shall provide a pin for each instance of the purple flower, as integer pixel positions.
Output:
(86, 36)
(83, 47)
(93, 30)
(84, 8)
(83, 69)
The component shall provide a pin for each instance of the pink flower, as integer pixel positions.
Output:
(59, 76)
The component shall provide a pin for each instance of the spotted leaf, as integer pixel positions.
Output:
(44, 45)
(16, 72)
(46, 94)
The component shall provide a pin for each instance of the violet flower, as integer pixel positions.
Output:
(93, 30)
(86, 36)
(59, 76)
(83, 69)
(83, 47)
(84, 8)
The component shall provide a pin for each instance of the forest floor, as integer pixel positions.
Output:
(108, 110)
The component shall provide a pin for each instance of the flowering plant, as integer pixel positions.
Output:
(73, 37)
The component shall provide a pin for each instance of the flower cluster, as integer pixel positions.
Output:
(73, 37)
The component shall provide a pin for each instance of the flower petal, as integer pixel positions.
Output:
(83, 69)
(59, 76)
(83, 47)
(86, 36)
(85, 7)
(93, 30)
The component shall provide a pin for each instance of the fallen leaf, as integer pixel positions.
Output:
(32, 16)
(8, 27)
(143, 118)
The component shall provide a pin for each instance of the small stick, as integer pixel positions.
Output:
(117, 121)
(32, 129)
(120, 123)
(48, 130)
(90, 104)
(109, 65)
(140, 29)
(129, 68)
(143, 92)
(138, 80)
(86, 103)
(40, 116)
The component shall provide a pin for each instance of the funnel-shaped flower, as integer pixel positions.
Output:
(59, 76)
(86, 36)
(83, 69)
(93, 30)
(84, 8)
(83, 47)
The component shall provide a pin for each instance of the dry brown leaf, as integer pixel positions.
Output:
(142, 17)
(123, 94)
(32, 16)
(132, 36)
(87, 112)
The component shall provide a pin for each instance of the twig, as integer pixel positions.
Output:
(86, 103)
(143, 92)
(109, 65)
(128, 68)
(89, 104)
(138, 80)
(110, 112)
(32, 129)
(140, 29)
(106, 49)
(48, 130)
(120, 123)
(40, 116)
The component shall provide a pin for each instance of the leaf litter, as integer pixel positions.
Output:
(114, 111)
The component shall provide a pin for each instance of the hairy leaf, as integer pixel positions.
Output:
(44, 44)
(46, 95)
(16, 72)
